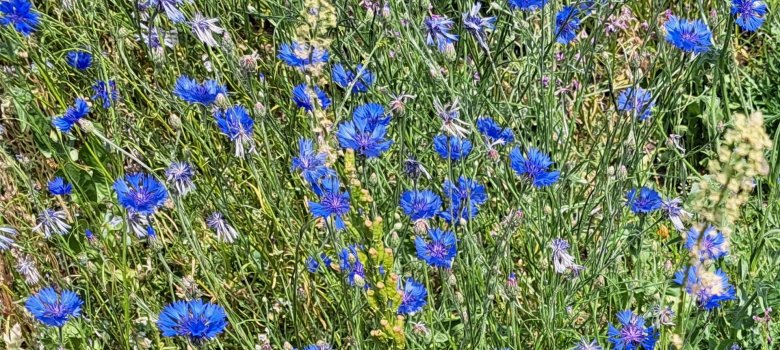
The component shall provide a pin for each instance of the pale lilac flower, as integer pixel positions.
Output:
(224, 231)
(204, 28)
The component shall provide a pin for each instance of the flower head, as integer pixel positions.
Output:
(688, 36)
(440, 250)
(374, 113)
(632, 333)
(58, 187)
(140, 193)
(584, 344)
(477, 25)
(20, 15)
(749, 14)
(707, 245)
(312, 165)
(465, 198)
(80, 60)
(708, 288)
(438, 30)
(237, 125)
(72, 115)
(674, 211)
(91, 238)
(51, 222)
(54, 309)
(420, 205)
(179, 175)
(170, 7)
(312, 264)
(567, 23)
(535, 166)
(156, 39)
(643, 200)
(193, 319)
(205, 28)
(224, 231)
(204, 93)
(527, 5)
(309, 99)
(413, 297)
(26, 267)
(351, 265)
(302, 56)
(365, 133)
(563, 261)
(637, 102)
(493, 132)
(7, 234)
(362, 78)
(452, 148)
(413, 168)
(105, 91)
(333, 203)
(450, 118)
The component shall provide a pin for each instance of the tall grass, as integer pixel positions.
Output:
(559, 98)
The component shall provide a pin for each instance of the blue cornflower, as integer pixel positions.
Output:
(80, 60)
(309, 99)
(477, 25)
(352, 266)
(420, 205)
(688, 36)
(438, 32)
(7, 234)
(632, 334)
(90, 236)
(333, 203)
(236, 123)
(637, 102)
(179, 175)
(143, 195)
(643, 200)
(361, 77)
(72, 115)
(709, 289)
(365, 134)
(193, 319)
(105, 91)
(567, 23)
(493, 132)
(453, 148)
(54, 309)
(465, 198)
(51, 222)
(440, 251)
(413, 297)
(19, 13)
(302, 56)
(527, 5)
(312, 165)
(204, 93)
(707, 245)
(312, 264)
(749, 14)
(374, 113)
(58, 187)
(535, 166)
(170, 7)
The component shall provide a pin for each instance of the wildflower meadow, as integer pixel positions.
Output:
(389, 174)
